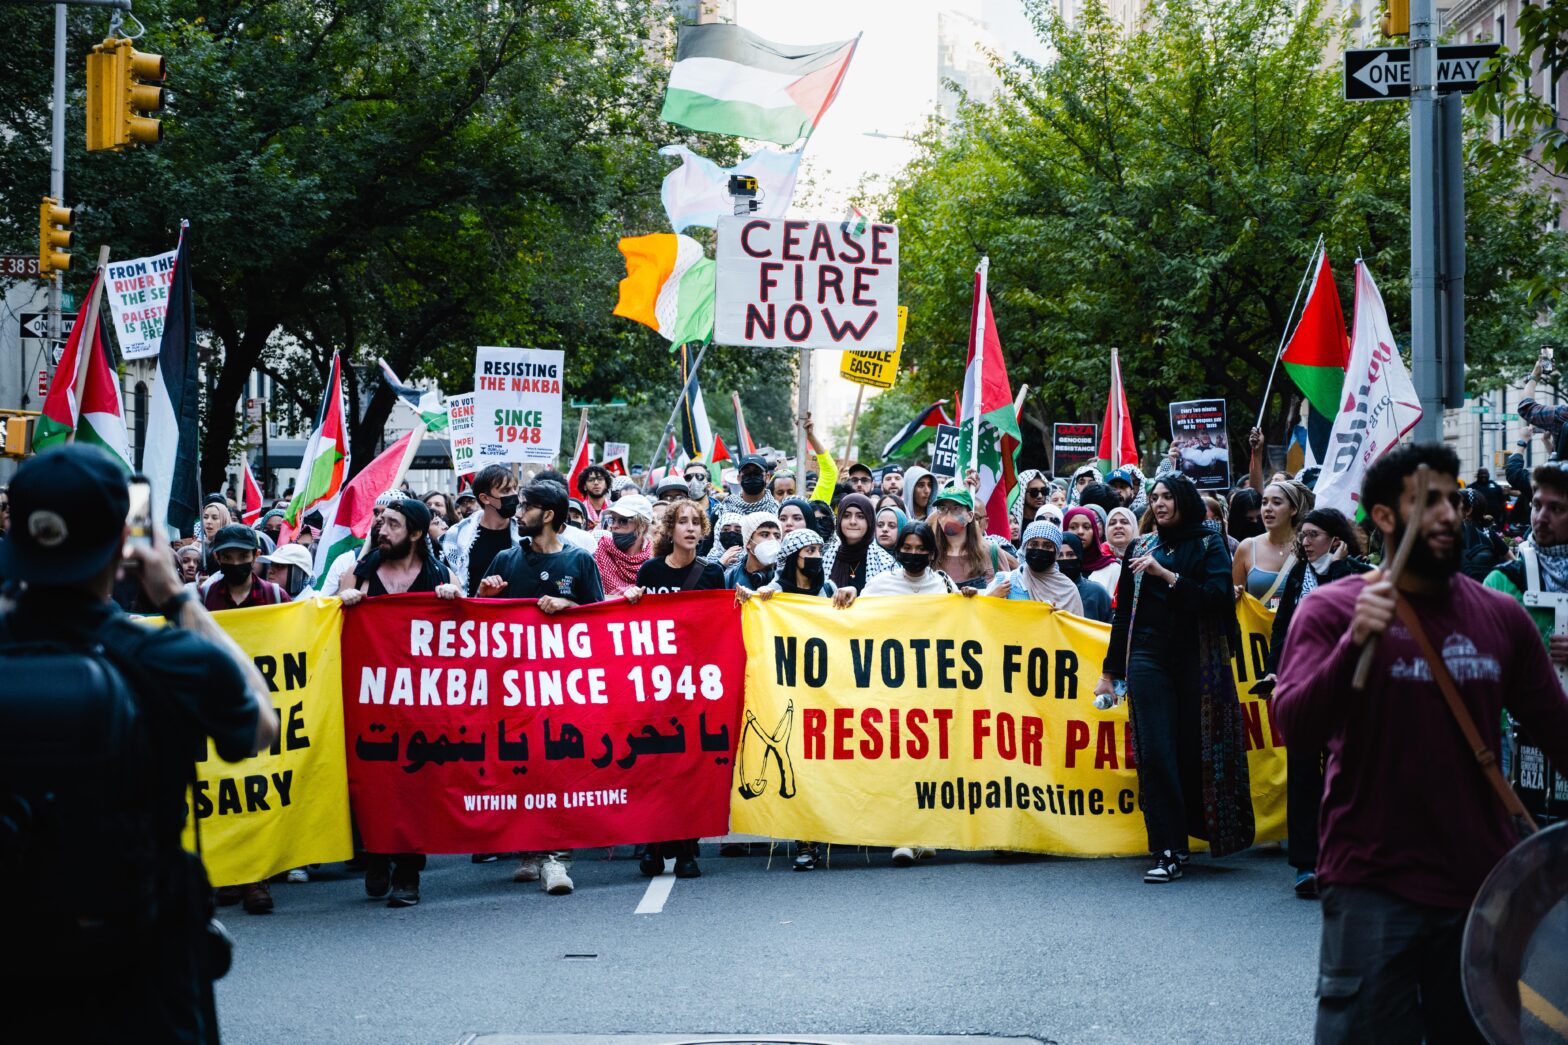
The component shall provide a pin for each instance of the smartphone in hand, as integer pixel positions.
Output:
(139, 516)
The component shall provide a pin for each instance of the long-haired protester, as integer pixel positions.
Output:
(963, 553)
(594, 484)
(1262, 561)
(622, 551)
(1069, 560)
(856, 556)
(919, 485)
(1038, 579)
(890, 521)
(1219, 518)
(1245, 518)
(675, 567)
(1326, 549)
(1099, 564)
(795, 514)
(1171, 642)
(1121, 528)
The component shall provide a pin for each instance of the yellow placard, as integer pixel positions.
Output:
(876, 369)
(287, 806)
(964, 724)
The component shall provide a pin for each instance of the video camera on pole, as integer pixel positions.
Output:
(743, 191)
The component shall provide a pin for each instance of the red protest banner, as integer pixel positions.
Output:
(479, 726)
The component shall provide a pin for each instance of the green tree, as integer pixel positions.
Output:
(388, 179)
(1161, 192)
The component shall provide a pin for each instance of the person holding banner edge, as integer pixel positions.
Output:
(1172, 636)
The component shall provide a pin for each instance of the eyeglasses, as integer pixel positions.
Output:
(1035, 491)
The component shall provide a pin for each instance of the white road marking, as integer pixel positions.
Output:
(658, 891)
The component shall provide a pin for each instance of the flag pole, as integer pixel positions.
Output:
(88, 343)
(1115, 412)
(849, 444)
(1312, 265)
(979, 350)
(669, 426)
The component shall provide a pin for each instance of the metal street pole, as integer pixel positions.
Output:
(57, 160)
(1426, 361)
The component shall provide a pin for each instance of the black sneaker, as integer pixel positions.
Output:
(650, 863)
(806, 856)
(1184, 856)
(405, 891)
(686, 867)
(1307, 884)
(378, 877)
(1167, 868)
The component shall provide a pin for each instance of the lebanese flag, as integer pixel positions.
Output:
(252, 511)
(580, 461)
(97, 417)
(349, 515)
(988, 411)
(1118, 444)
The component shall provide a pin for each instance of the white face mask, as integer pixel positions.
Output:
(1321, 563)
(766, 552)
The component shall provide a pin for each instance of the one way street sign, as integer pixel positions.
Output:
(1382, 73)
(36, 324)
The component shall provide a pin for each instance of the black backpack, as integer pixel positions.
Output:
(78, 832)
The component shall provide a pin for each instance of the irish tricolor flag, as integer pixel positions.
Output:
(92, 411)
(730, 81)
(668, 286)
(324, 464)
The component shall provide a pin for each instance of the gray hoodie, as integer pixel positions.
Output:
(912, 476)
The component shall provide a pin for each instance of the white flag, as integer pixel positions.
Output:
(1379, 406)
(697, 192)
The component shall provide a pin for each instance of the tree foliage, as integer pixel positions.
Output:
(1161, 192)
(385, 178)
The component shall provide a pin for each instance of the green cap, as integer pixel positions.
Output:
(958, 494)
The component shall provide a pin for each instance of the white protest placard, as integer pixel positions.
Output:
(460, 433)
(138, 295)
(517, 404)
(614, 450)
(806, 284)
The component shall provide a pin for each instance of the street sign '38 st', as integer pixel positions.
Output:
(1382, 73)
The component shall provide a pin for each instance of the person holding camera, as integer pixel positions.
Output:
(101, 719)
(1552, 420)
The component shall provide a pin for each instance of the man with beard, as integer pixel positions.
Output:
(559, 576)
(1409, 827)
(893, 481)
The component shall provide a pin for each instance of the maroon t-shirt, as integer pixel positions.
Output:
(1406, 808)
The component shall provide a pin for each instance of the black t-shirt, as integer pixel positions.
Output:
(487, 546)
(658, 576)
(431, 574)
(569, 573)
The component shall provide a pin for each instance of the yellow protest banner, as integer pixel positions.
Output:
(287, 806)
(958, 723)
(876, 369)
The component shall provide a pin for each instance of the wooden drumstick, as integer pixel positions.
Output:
(1402, 553)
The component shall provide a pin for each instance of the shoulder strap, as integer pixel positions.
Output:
(694, 574)
(1279, 578)
(1456, 706)
(1532, 566)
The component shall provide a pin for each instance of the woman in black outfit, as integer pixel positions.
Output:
(1326, 546)
(1171, 640)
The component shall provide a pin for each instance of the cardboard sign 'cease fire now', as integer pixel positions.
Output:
(806, 284)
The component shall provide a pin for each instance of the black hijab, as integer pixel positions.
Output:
(849, 560)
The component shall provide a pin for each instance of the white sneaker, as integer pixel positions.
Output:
(924, 852)
(903, 856)
(297, 876)
(553, 878)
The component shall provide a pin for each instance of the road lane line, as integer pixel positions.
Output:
(658, 892)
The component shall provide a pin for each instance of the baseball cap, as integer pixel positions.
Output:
(632, 506)
(892, 469)
(465, 495)
(291, 555)
(752, 459)
(857, 467)
(671, 484)
(235, 535)
(957, 495)
(1120, 475)
(68, 509)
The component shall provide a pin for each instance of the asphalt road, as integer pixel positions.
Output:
(1055, 949)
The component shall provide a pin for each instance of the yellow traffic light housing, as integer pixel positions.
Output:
(54, 234)
(1396, 20)
(122, 88)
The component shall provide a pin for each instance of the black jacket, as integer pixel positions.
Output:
(1290, 598)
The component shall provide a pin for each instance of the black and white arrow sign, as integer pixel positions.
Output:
(1382, 73)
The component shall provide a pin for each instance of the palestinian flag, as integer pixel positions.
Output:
(94, 414)
(426, 402)
(989, 414)
(349, 513)
(581, 459)
(696, 434)
(171, 450)
(743, 440)
(669, 286)
(1316, 355)
(731, 81)
(324, 465)
(918, 432)
(251, 513)
(1118, 443)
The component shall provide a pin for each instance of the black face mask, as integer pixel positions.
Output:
(235, 572)
(914, 562)
(729, 539)
(1040, 560)
(753, 484)
(1070, 569)
(823, 524)
(811, 569)
(624, 541)
(509, 504)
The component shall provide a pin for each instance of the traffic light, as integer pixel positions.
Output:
(18, 437)
(54, 234)
(122, 88)
(1396, 20)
